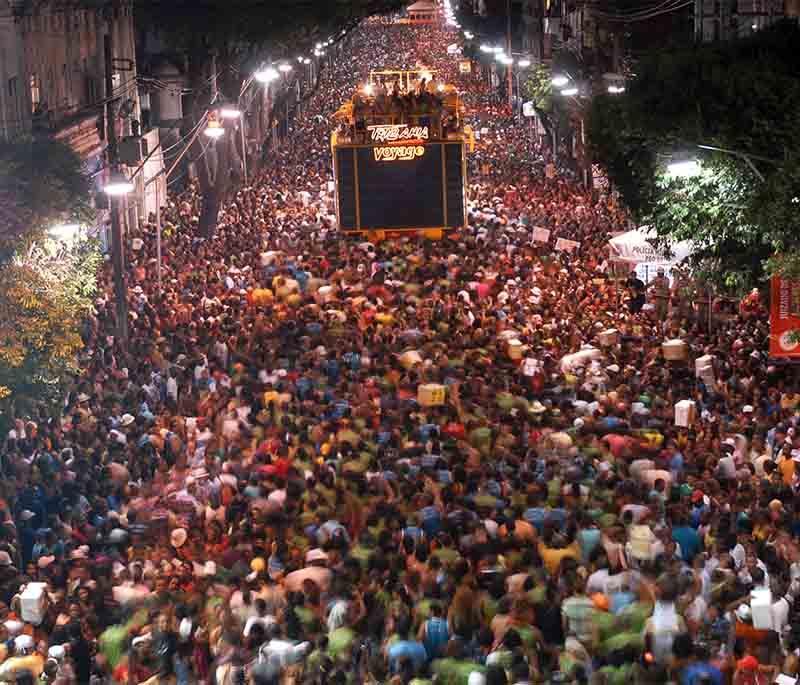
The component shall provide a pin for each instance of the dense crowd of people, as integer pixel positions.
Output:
(252, 490)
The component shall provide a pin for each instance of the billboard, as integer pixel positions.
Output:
(784, 318)
(395, 184)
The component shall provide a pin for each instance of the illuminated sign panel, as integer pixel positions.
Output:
(398, 153)
(399, 187)
(391, 133)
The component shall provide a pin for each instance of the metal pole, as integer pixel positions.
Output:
(710, 310)
(555, 141)
(509, 70)
(117, 248)
(244, 146)
(698, 21)
(158, 230)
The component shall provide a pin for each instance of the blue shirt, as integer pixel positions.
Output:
(407, 648)
(431, 521)
(676, 464)
(689, 540)
(588, 539)
(693, 672)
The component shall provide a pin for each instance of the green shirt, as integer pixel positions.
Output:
(454, 671)
(112, 644)
(578, 610)
(618, 675)
(339, 641)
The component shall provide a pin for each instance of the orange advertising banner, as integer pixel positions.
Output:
(784, 318)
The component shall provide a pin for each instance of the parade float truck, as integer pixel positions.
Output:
(399, 155)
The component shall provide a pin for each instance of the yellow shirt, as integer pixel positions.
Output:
(787, 471)
(33, 663)
(551, 556)
(790, 401)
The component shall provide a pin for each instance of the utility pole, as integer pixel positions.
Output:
(117, 249)
(242, 121)
(509, 69)
(698, 21)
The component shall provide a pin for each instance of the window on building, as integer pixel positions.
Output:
(36, 92)
(13, 102)
(91, 89)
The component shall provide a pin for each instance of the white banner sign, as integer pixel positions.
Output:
(541, 235)
(566, 245)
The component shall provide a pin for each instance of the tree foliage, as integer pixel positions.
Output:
(225, 40)
(256, 25)
(743, 96)
(538, 87)
(46, 289)
(42, 182)
(45, 297)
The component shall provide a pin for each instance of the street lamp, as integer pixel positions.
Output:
(560, 81)
(118, 185)
(685, 168)
(285, 68)
(214, 129)
(267, 75)
(569, 92)
(229, 110)
(616, 90)
(65, 232)
(524, 63)
(691, 166)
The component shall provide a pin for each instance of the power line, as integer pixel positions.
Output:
(635, 11)
(644, 17)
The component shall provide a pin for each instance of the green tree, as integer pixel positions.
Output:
(46, 289)
(41, 183)
(231, 38)
(741, 95)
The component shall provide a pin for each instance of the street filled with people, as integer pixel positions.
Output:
(467, 461)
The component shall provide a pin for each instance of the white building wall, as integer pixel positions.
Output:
(14, 106)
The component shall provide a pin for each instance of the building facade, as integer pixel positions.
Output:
(729, 19)
(14, 119)
(53, 70)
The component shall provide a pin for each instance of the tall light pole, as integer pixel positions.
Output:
(523, 63)
(117, 187)
(509, 67)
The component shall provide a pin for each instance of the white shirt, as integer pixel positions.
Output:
(172, 388)
(780, 615)
(265, 621)
(738, 555)
(282, 653)
(530, 366)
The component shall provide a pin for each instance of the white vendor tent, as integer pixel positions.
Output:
(635, 248)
